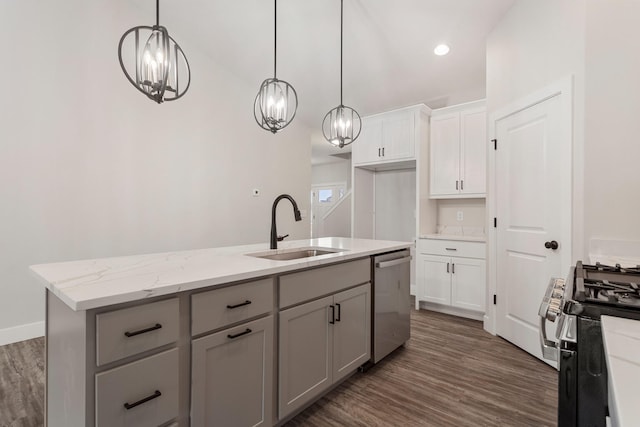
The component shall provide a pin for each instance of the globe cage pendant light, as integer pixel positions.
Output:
(342, 125)
(276, 103)
(160, 64)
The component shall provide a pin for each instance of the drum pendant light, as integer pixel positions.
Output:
(341, 126)
(161, 66)
(277, 101)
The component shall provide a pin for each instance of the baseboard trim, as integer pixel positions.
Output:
(21, 332)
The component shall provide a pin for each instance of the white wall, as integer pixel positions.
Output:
(329, 173)
(473, 213)
(612, 125)
(91, 168)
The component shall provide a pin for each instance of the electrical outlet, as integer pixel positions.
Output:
(255, 192)
(459, 215)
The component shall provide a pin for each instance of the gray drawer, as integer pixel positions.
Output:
(220, 307)
(133, 383)
(121, 333)
(307, 285)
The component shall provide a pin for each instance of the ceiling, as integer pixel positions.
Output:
(388, 49)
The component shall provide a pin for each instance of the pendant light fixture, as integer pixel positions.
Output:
(341, 126)
(161, 66)
(277, 101)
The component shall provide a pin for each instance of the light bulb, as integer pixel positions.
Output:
(441, 49)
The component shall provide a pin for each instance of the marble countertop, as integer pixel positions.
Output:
(94, 283)
(622, 349)
(461, 237)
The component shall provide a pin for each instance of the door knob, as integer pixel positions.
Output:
(551, 245)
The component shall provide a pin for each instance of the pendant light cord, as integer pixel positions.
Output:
(341, 29)
(157, 13)
(275, 36)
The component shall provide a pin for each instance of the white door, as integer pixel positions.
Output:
(434, 276)
(369, 146)
(468, 283)
(398, 138)
(445, 154)
(473, 153)
(533, 206)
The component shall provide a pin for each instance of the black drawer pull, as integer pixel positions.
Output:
(248, 331)
(142, 331)
(338, 318)
(140, 402)
(247, 302)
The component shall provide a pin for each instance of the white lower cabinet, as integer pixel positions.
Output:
(232, 376)
(454, 281)
(321, 342)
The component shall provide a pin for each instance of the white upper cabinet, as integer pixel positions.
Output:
(387, 137)
(458, 151)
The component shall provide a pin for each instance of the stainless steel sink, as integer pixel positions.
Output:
(285, 255)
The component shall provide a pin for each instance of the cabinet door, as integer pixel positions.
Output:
(368, 147)
(352, 330)
(436, 279)
(232, 376)
(398, 136)
(445, 154)
(306, 351)
(468, 283)
(473, 152)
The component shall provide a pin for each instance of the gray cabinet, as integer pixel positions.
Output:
(232, 376)
(321, 342)
(306, 350)
(138, 394)
(351, 330)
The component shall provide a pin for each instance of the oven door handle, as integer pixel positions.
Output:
(549, 348)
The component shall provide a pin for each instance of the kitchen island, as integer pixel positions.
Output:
(217, 336)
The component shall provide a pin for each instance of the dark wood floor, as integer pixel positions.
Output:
(451, 373)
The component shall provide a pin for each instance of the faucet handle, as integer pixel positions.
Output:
(281, 238)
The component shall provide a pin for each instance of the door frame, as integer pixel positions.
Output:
(564, 88)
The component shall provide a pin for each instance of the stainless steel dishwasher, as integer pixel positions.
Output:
(391, 302)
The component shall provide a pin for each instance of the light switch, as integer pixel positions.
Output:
(459, 215)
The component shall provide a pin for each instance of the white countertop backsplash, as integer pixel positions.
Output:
(621, 339)
(88, 284)
(448, 232)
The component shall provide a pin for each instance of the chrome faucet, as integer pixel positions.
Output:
(296, 213)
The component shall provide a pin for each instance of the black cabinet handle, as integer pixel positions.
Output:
(145, 400)
(453, 268)
(462, 184)
(247, 302)
(247, 331)
(553, 245)
(378, 152)
(456, 185)
(338, 318)
(142, 331)
(447, 267)
(382, 151)
(333, 315)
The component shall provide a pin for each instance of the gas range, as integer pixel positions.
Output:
(575, 305)
(599, 289)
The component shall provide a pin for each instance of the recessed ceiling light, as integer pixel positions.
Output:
(441, 49)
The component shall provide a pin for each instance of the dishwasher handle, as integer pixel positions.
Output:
(391, 263)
